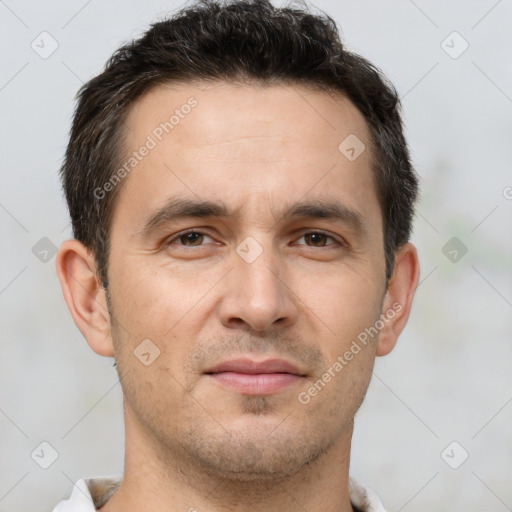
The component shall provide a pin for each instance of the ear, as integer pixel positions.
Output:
(84, 295)
(398, 298)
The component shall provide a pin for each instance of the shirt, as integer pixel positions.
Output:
(89, 494)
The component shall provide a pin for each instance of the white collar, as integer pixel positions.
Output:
(89, 493)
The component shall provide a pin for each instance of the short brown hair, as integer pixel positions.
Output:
(245, 42)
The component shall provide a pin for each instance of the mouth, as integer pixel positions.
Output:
(250, 377)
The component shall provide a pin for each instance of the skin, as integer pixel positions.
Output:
(192, 443)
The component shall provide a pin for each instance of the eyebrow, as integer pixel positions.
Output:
(178, 208)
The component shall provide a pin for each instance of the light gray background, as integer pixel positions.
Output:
(449, 378)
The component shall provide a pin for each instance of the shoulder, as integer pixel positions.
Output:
(89, 494)
(364, 499)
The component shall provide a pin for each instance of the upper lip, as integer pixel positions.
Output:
(244, 365)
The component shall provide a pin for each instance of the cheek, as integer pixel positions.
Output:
(338, 392)
(151, 299)
(351, 305)
(343, 303)
(160, 304)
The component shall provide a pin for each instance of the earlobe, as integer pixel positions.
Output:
(398, 299)
(84, 295)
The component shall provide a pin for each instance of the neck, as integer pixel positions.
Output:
(158, 479)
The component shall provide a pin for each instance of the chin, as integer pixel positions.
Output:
(257, 450)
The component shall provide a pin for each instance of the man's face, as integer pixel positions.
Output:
(254, 286)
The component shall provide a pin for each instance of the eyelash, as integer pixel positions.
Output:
(183, 233)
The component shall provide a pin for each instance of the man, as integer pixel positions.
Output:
(241, 197)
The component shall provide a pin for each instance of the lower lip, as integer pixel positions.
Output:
(256, 384)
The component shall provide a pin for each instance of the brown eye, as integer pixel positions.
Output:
(189, 239)
(317, 239)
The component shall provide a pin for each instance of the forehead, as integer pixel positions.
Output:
(247, 145)
(222, 111)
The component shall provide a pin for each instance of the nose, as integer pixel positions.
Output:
(257, 296)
